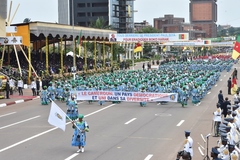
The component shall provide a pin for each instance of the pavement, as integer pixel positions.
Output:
(16, 98)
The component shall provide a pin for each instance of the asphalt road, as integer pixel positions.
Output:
(123, 131)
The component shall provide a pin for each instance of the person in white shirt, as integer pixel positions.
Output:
(217, 120)
(33, 87)
(12, 85)
(188, 143)
(20, 86)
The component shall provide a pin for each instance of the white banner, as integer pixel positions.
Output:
(125, 96)
(149, 37)
(17, 40)
(189, 43)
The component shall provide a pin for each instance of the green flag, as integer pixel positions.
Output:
(80, 39)
(79, 43)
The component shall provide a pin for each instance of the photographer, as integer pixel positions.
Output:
(184, 155)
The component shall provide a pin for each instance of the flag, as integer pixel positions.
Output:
(236, 49)
(138, 48)
(79, 43)
(57, 117)
(206, 42)
(182, 36)
(234, 86)
(164, 48)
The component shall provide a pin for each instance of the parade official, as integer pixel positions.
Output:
(188, 143)
(229, 85)
(224, 107)
(217, 120)
(220, 97)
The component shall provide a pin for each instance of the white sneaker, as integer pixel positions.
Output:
(78, 150)
(82, 149)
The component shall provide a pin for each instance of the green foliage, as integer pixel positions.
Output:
(232, 31)
(149, 29)
(147, 48)
(100, 23)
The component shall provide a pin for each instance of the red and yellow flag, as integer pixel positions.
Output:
(236, 49)
(234, 86)
(182, 36)
(138, 48)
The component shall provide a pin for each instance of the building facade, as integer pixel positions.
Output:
(203, 13)
(117, 14)
(168, 23)
(140, 25)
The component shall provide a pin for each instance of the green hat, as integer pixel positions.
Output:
(80, 116)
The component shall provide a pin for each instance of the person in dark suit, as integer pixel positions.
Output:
(224, 107)
(113, 38)
(38, 86)
(220, 97)
(7, 89)
(229, 85)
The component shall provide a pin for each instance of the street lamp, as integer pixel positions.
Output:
(73, 46)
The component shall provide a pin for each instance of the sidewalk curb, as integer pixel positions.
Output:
(18, 101)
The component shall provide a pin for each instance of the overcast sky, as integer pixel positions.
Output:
(47, 10)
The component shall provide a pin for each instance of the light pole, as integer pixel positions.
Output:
(73, 41)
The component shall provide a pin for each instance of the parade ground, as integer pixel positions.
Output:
(122, 131)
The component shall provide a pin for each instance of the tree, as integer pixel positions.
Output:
(27, 20)
(231, 31)
(100, 23)
(149, 29)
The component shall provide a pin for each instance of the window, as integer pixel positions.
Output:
(100, 5)
(81, 5)
(99, 14)
(88, 5)
(81, 14)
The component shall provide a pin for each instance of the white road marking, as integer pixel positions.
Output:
(19, 101)
(7, 114)
(45, 132)
(224, 76)
(99, 110)
(180, 123)
(148, 157)
(208, 92)
(220, 79)
(28, 139)
(216, 85)
(3, 105)
(130, 120)
(19, 122)
(72, 156)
